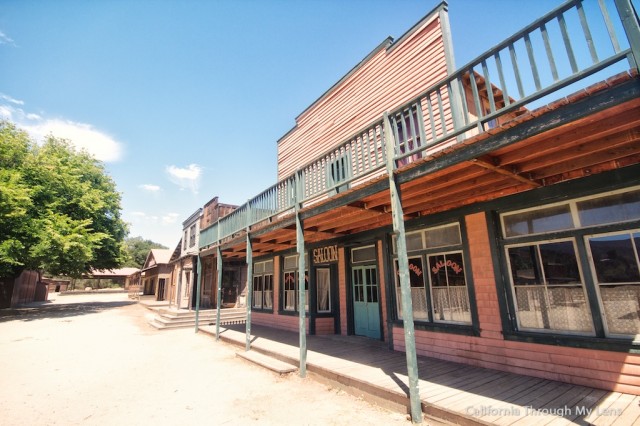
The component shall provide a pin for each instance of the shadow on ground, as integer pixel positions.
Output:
(42, 310)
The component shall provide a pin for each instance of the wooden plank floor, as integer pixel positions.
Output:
(458, 393)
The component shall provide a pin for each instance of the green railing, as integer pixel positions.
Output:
(569, 48)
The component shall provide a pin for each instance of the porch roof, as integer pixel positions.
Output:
(587, 133)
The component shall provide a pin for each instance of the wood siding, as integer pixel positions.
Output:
(588, 367)
(391, 76)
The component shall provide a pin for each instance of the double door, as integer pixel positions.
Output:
(366, 301)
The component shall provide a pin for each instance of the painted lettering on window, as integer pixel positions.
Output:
(449, 264)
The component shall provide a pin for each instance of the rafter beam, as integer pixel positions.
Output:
(492, 163)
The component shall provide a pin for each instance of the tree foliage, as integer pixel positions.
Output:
(59, 210)
(138, 249)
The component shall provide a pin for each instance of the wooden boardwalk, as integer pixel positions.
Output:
(453, 392)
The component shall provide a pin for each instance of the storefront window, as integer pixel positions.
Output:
(548, 286)
(290, 287)
(449, 288)
(616, 267)
(447, 294)
(262, 297)
(549, 291)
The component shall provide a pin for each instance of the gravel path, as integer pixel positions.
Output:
(94, 360)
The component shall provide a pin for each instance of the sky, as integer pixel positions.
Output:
(185, 100)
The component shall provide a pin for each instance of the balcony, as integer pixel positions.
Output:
(556, 101)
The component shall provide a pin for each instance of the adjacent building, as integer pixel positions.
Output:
(155, 275)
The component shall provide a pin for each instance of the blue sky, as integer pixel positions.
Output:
(185, 100)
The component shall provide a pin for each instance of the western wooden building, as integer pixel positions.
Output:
(487, 214)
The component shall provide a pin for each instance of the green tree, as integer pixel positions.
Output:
(59, 210)
(138, 249)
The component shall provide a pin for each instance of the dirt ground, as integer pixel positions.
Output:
(94, 360)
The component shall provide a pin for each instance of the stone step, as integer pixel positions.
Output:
(164, 321)
(173, 313)
(266, 361)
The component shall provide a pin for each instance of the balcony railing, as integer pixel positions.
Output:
(567, 49)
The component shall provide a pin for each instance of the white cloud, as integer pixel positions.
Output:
(170, 218)
(186, 178)
(163, 228)
(83, 136)
(10, 99)
(6, 112)
(150, 188)
(5, 39)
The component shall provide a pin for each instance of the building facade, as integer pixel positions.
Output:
(155, 275)
(233, 279)
(487, 215)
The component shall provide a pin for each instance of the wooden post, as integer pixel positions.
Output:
(629, 19)
(249, 282)
(198, 287)
(219, 297)
(301, 279)
(403, 270)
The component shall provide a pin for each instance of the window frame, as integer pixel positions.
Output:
(262, 270)
(546, 285)
(294, 270)
(459, 246)
(601, 339)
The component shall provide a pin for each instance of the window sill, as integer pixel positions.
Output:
(583, 342)
(465, 330)
(292, 313)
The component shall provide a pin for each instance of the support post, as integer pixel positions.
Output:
(403, 270)
(301, 280)
(198, 287)
(219, 296)
(629, 18)
(456, 98)
(249, 283)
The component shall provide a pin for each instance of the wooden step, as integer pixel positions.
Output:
(266, 361)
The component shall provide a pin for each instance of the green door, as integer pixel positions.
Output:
(366, 309)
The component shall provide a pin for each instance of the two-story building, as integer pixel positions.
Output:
(487, 214)
(234, 277)
(184, 262)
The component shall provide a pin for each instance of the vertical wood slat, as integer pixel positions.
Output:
(414, 132)
(476, 98)
(443, 119)
(587, 33)
(487, 83)
(423, 137)
(532, 62)
(431, 118)
(516, 70)
(567, 43)
(503, 83)
(607, 21)
(549, 50)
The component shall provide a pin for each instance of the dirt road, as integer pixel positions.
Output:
(94, 360)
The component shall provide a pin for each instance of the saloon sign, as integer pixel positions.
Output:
(326, 254)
